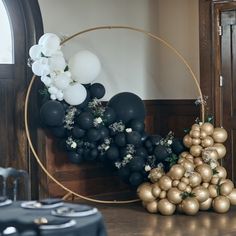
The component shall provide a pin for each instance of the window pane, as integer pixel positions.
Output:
(6, 49)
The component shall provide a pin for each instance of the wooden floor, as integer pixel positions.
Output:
(133, 220)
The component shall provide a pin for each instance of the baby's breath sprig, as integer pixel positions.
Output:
(69, 117)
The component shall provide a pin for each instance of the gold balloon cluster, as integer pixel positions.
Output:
(196, 182)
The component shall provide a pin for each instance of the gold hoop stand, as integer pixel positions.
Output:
(148, 34)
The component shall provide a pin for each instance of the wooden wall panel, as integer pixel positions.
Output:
(92, 178)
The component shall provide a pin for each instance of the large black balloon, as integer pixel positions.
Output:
(104, 132)
(109, 116)
(85, 120)
(178, 146)
(141, 152)
(75, 157)
(134, 138)
(136, 179)
(124, 173)
(112, 154)
(77, 132)
(161, 153)
(52, 113)
(93, 135)
(137, 125)
(137, 164)
(97, 90)
(120, 139)
(127, 106)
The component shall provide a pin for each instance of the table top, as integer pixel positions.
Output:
(91, 225)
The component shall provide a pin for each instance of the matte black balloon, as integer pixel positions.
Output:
(148, 143)
(52, 113)
(155, 139)
(109, 116)
(85, 120)
(75, 157)
(120, 139)
(113, 153)
(104, 132)
(77, 132)
(91, 155)
(97, 90)
(59, 131)
(93, 135)
(136, 164)
(144, 137)
(178, 146)
(124, 173)
(137, 125)
(127, 106)
(161, 153)
(141, 152)
(134, 138)
(135, 179)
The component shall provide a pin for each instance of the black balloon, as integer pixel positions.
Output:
(141, 152)
(135, 179)
(148, 143)
(104, 132)
(59, 132)
(155, 139)
(137, 125)
(127, 106)
(75, 157)
(113, 153)
(77, 132)
(93, 135)
(178, 146)
(120, 139)
(134, 138)
(137, 164)
(97, 90)
(124, 173)
(52, 113)
(161, 153)
(109, 116)
(85, 120)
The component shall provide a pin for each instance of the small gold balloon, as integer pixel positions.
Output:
(188, 165)
(165, 182)
(144, 192)
(204, 206)
(187, 140)
(221, 172)
(152, 207)
(215, 180)
(156, 190)
(176, 172)
(201, 193)
(198, 161)
(188, 189)
(208, 128)
(211, 153)
(162, 194)
(220, 148)
(195, 127)
(155, 174)
(182, 186)
(207, 141)
(221, 204)
(189, 157)
(165, 207)
(174, 196)
(196, 150)
(175, 183)
(194, 133)
(190, 206)
(203, 134)
(185, 180)
(226, 188)
(205, 171)
(196, 141)
(183, 154)
(213, 190)
(219, 135)
(232, 197)
(195, 179)
(205, 185)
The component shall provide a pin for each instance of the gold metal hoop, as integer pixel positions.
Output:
(150, 35)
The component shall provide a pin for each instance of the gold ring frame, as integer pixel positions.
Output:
(148, 34)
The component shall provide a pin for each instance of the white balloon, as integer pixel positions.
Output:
(35, 52)
(46, 80)
(84, 67)
(75, 94)
(57, 63)
(41, 67)
(62, 81)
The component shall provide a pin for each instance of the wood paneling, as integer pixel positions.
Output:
(92, 178)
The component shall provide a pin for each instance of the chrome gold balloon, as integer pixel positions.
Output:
(190, 206)
(205, 171)
(176, 172)
(152, 207)
(208, 128)
(174, 196)
(165, 207)
(201, 193)
(206, 205)
(221, 204)
(219, 135)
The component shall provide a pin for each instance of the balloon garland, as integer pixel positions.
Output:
(170, 174)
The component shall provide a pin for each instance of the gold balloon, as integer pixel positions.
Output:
(198, 161)
(174, 196)
(204, 206)
(182, 186)
(220, 148)
(203, 134)
(189, 157)
(207, 142)
(165, 182)
(162, 194)
(187, 140)
(196, 150)
(211, 153)
(155, 174)
(188, 189)
(194, 133)
(152, 207)
(220, 135)
(213, 190)
(165, 207)
(175, 183)
(196, 141)
(188, 165)
(144, 192)
(195, 127)
(226, 188)
(195, 179)
(208, 128)
(205, 185)
(201, 193)
(183, 154)
(205, 171)
(185, 180)
(221, 204)
(156, 190)
(215, 180)
(222, 173)
(176, 172)
(190, 206)
(232, 197)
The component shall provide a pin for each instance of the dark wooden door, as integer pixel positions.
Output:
(228, 89)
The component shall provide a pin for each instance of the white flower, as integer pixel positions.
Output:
(98, 120)
(73, 144)
(128, 130)
(169, 142)
(147, 168)
(128, 155)
(41, 67)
